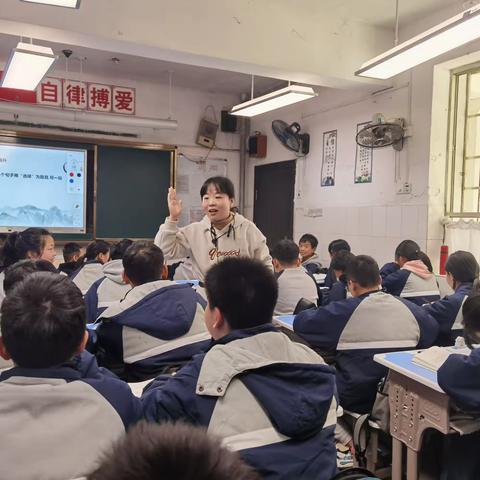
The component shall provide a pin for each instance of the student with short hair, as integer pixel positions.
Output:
(357, 328)
(308, 244)
(19, 271)
(171, 451)
(462, 275)
(58, 410)
(97, 254)
(294, 282)
(339, 265)
(157, 327)
(111, 287)
(72, 253)
(221, 233)
(265, 396)
(33, 243)
(334, 247)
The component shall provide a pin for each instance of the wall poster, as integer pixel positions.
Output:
(329, 158)
(363, 161)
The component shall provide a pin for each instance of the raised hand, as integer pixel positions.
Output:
(174, 204)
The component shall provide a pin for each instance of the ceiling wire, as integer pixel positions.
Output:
(253, 83)
(396, 21)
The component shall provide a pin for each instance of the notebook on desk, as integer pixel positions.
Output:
(434, 357)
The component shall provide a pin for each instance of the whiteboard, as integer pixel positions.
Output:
(192, 171)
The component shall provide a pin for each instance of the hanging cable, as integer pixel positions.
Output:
(396, 21)
(170, 76)
(251, 92)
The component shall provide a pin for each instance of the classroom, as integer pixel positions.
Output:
(244, 234)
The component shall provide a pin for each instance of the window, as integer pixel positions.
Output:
(463, 175)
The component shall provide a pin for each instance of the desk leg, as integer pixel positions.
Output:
(396, 459)
(412, 464)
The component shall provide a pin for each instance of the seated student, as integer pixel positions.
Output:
(357, 328)
(462, 272)
(294, 282)
(408, 277)
(58, 410)
(267, 397)
(307, 244)
(96, 255)
(339, 266)
(152, 452)
(72, 253)
(334, 247)
(158, 326)
(111, 287)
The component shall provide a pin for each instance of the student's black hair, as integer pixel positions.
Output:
(426, 260)
(18, 244)
(286, 252)
(171, 451)
(408, 249)
(19, 271)
(95, 248)
(244, 290)
(471, 320)
(221, 184)
(364, 270)
(69, 250)
(311, 239)
(462, 266)
(119, 249)
(143, 263)
(341, 260)
(336, 245)
(43, 320)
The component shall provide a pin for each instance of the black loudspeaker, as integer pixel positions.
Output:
(229, 122)
(257, 146)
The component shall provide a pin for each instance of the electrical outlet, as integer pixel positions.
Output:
(314, 212)
(404, 189)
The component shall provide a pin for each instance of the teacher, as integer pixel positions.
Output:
(221, 233)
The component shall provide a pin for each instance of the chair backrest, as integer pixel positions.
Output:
(355, 473)
(303, 304)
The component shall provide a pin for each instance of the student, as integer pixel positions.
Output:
(265, 396)
(339, 265)
(171, 451)
(34, 243)
(294, 282)
(97, 254)
(71, 255)
(221, 233)
(111, 287)
(408, 277)
(308, 243)
(334, 247)
(462, 272)
(159, 325)
(58, 410)
(357, 328)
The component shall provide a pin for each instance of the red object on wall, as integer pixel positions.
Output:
(443, 259)
(17, 95)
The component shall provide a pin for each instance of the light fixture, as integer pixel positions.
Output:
(57, 3)
(26, 66)
(271, 101)
(452, 33)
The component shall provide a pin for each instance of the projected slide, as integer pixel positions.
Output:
(42, 187)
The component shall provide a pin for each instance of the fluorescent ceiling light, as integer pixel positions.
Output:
(452, 33)
(26, 66)
(271, 101)
(57, 3)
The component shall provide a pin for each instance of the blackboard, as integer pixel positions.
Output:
(131, 187)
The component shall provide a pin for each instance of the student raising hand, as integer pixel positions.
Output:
(174, 204)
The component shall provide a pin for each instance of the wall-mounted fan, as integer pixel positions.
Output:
(382, 133)
(291, 137)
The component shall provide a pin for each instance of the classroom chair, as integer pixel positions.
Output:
(355, 473)
(303, 304)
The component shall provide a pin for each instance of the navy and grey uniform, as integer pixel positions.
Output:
(107, 290)
(159, 325)
(89, 273)
(55, 422)
(267, 397)
(330, 278)
(448, 313)
(408, 285)
(357, 329)
(337, 292)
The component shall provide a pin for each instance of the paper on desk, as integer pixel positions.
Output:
(434, 357)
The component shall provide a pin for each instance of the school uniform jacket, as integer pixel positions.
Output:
(89, 273)
(107, 290)
(267, 397)
(241, 238)
(459, 377)
(293, 285)
(418, 288)
(2, 291)
(159, 325)
(56, 422)
(448, 313)
(337, 292)
(357, 329)
(312, 264)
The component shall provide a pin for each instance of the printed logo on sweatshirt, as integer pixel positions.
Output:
(215, 253)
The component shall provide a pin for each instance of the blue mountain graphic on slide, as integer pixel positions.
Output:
(28, 215)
